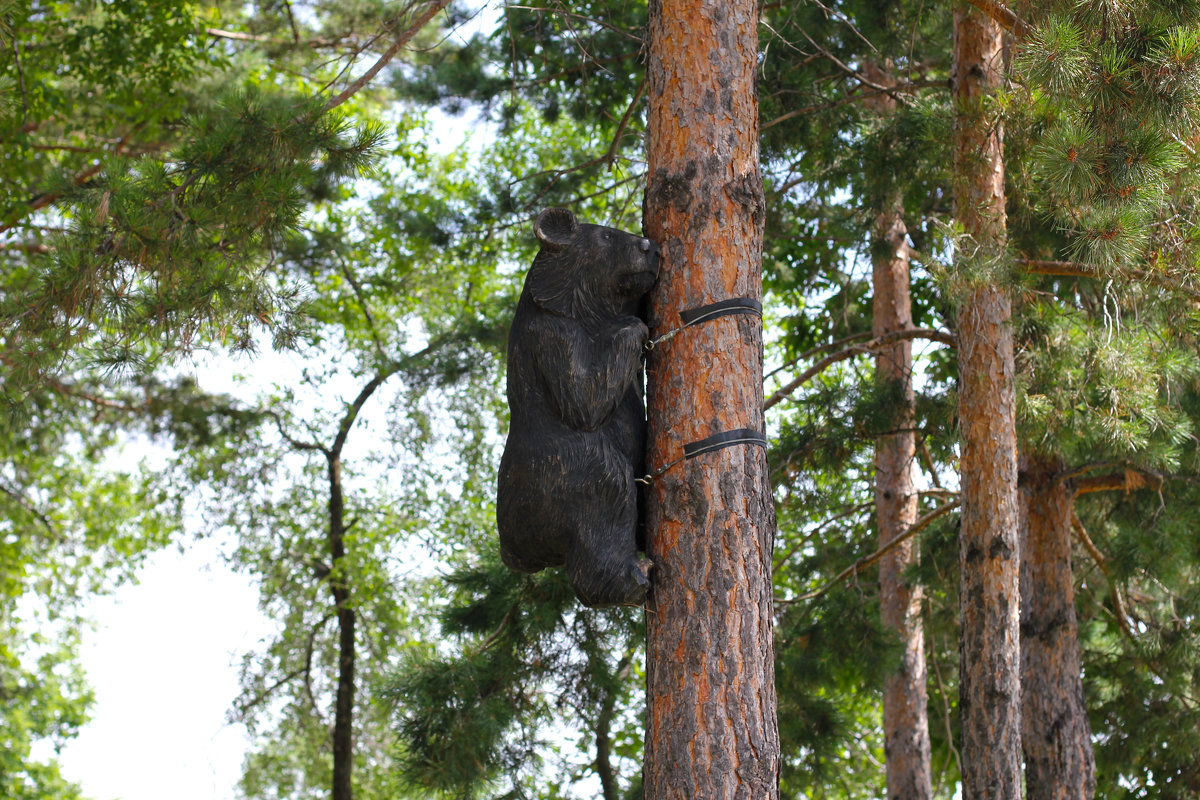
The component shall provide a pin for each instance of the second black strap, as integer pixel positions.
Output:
(721, 308)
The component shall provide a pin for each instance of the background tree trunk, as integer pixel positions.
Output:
(343, 709)
(712, 729)
(1059, 763)
(905, 719)
(989, 686)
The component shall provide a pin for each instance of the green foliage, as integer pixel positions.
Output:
(43, 701)
(1091, 390)
(71, 526)
(1141, 677)
(1118, 86)
(474, 721)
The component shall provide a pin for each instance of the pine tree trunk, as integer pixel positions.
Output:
(343, 709)
(905, 718)
(905, 721)
(710, 681)
(989, 685)
(1059, 764)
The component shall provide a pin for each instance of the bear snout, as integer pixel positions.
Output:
(645, 245)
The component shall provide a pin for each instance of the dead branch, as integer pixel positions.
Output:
(26, 247)
(1126, 481)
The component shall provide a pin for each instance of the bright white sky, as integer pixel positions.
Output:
(163, 663)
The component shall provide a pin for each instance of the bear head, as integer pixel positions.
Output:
(589, 271)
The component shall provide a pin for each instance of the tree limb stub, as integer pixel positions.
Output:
(1003, 16)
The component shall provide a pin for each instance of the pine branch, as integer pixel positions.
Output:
(853, 73)
(1065, 268)
(875, 344)
(821, 348)
(48, 198)
(608, 158)
(238, 36)
(567, 15)
(73, 391)
(866, 561)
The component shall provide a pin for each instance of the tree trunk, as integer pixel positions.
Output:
(710, 680)
(989, 686)
(343, 714)
(905, 719)
(1059, 764)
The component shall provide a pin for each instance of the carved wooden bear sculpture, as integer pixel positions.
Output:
(566, 491)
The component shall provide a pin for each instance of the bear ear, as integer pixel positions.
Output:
(555, 228)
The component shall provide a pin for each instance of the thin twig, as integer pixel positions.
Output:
(849, 512)
(937, 674)
(366, 309)
(854, 98)
(20, 78)
(928, 459)
(1102, 562)
(866, 561)
(615, 145)
(401, 40)
(491, 639)
(821, 348)
(25, 503)
(849, 352)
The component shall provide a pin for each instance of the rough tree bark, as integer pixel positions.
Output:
(905, 718)
(712, 729)
(989, 686)
(1059, 763)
